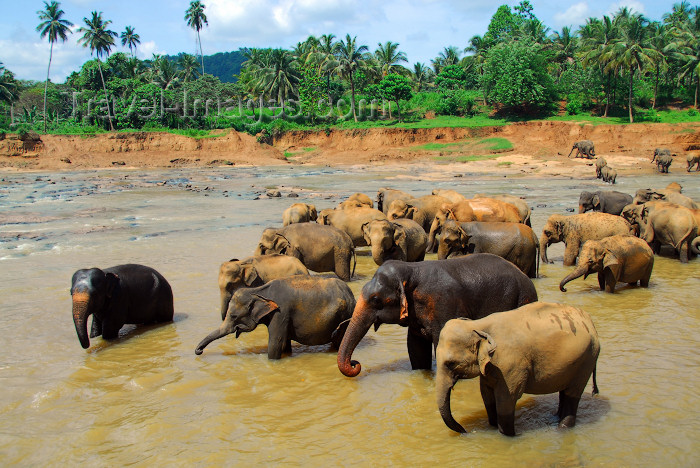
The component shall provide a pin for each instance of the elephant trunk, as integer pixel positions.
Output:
(577, 273)
(222, 331)
(362, 319)
(434, 231)
(443, 389)
(695, 246)
(380, 250)
(81, 311)
(581, 209)
(544, 242)
(225, 299)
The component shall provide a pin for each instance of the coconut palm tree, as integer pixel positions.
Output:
(100, 40)
(449, 56)
(55, 27)
(130, 39)
(389, 57)
(684, 47)
(8, 85)
(564, 45)
(196, 19)
(349, 58)
(279, 78)
(658, 40)
(421, 75)
(679, 15)
(596, 35)
(188, 67)
(478, 47)
(325, 58)
(164, 72)
(632, 50)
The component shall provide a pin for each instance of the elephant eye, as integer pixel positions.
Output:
(376, 303)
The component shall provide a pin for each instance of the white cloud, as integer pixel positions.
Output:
(29, 59)
(575, 15)
(145, 50)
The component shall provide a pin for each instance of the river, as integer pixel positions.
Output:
(147, 400)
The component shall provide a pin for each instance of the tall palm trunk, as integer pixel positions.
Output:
(656, 87)
(46, 85)
(201, 52)
(697, 85)
(352, 94)
(104, 87)
(630, 95)
(607, 98)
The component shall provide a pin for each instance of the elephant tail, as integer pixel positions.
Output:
(595, 384)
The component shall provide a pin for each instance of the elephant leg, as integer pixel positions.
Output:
(278, 338)
(644, 282)
(96, 329)
(110, 329)
(610, 281)
(684, 251)
(420, 351)
(568, 406)
(570, 253)
(342, 265)
(489, 402)
(601, 280)
(505, 409)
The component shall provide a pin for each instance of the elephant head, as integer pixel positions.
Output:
(594, 258)
(382, 300)
(246, 311)
(588, 201)
(552, 232)
(324, 216)
(387, 239)
(91, 290)
(267, 240)
(462, 353)
(441, 216)
(234, 275)
(453, 240)
(401, 209)
(637, 217)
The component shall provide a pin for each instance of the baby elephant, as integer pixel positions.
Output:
(608, 174)
(616, 258)
(116, 296)
(538, 348)
(310, 310)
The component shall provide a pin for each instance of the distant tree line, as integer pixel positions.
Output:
(624, 64)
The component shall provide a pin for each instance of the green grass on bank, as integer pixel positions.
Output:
(491, 145)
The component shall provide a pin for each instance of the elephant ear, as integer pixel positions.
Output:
(449, 214)
(400, 239)
(313, 214)
(365, 233)
(611, 261)
(250, 275)
(113, 285)
(411, 212)
(403, 316)
(595, 201)
(262, 307)
(485, 351)
(463, 237)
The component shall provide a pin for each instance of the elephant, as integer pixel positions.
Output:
(608, 174)
(660, 152)
(584, 147)
(576, 229)
(422, 210)
(600, 163)
(514, 242)
(452, 195)
(693, 159)
(671, 196)
(674, 187)
(523, 209)
(310, 310)
(611, 202)
(299, 213)
(116, 296)
(401, 239)
(538, 348)
(423, 296)
(320, 248)
(475, 209)
(387, 195)
(664, 224)
(350, 220)
(663, 162)
(362, 199)
(626, 259)
(255, 271)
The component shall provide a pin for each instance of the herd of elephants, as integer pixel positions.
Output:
(475, 306)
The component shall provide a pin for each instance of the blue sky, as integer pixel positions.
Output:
(421, 27)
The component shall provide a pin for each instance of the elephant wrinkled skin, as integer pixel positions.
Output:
(538, 348)
(401, 239)
(583, 147)
(350, 220)
(610, 202)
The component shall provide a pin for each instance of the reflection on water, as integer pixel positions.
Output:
(146, 398)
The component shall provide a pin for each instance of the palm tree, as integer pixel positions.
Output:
(658, 40)
(325, 57)
(564, 45)
(449, 56)
(421, 75)
(679, 15)
(632, 50)
(130, 39)
(196, 19)
(8, 85)
(349, 58)
(280, 77)
(684, 47)
(596, 35)
(55, 27)
(188, 67)
(478, 46)
(100, 40)
(164, 72)
(388, 57)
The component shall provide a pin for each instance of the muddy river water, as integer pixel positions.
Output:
(147, 400)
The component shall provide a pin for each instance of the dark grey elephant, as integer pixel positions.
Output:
(663, 162)
(610, 201)
(660, 152)
(514, 242)
(401, 239)
(255, 271)
(310, 310)
(116, 296)
(320, 248)
(583, 147)
(600, 163)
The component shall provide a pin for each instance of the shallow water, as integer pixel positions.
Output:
(147, 399)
